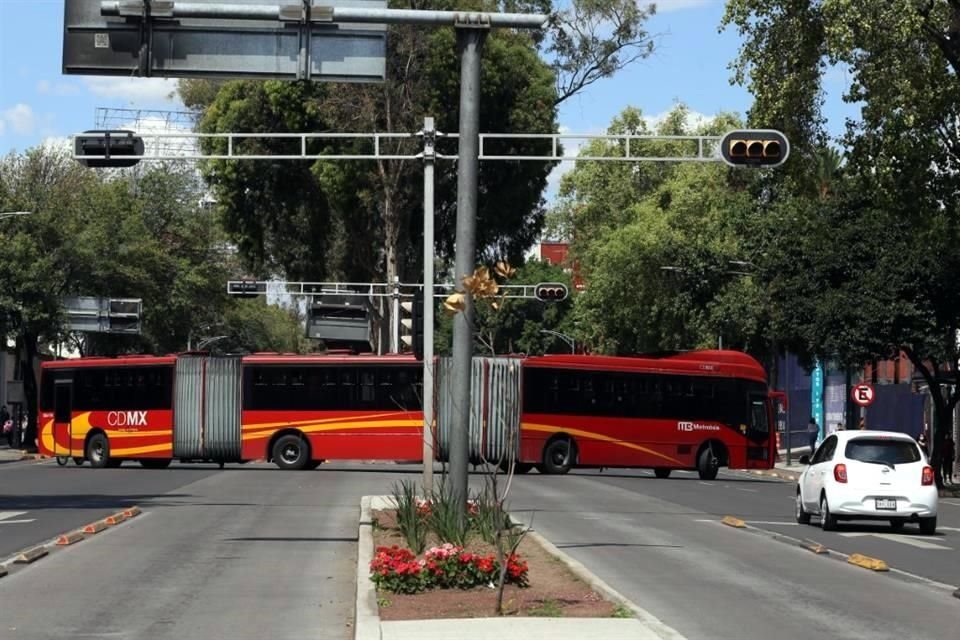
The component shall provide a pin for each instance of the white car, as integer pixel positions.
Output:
(868, 475)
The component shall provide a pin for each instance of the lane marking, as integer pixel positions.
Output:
(779, 524)
(908, 540)
(952, 504)
(949, 528)
(747, 490)
(5, 517)
(707, 484)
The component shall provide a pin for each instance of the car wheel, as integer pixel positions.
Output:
(896, 525)
(661, 472)
(707, 465)
(802, 516)
(928, 526)
(828, 521)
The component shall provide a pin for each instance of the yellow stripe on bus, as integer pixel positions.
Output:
(314, 421)
(547, 428)
(347, 426)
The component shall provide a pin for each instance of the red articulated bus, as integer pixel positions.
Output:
(291, 409)
(693, 410)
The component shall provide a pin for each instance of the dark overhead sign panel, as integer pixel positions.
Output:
(149, 40)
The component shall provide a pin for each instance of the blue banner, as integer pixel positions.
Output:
(816, 397)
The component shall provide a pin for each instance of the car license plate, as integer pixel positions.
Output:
(888, 504)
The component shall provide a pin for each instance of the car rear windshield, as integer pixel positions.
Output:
(882, 450)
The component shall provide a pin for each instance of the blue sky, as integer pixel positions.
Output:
(37, 102)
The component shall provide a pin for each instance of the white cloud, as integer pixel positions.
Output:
(695, 119)
(132, 89)
(58, 143)
(47, 88)
(20, 117)
(666, 6)
(3, 126)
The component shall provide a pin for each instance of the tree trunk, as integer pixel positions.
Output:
(942, 425)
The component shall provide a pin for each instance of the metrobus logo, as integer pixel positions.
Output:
(127, 418)
(696, 426)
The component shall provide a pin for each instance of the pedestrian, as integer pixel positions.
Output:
(813, 430)
(922, 441)
(948, 455)
(6, 429)
(839, 426)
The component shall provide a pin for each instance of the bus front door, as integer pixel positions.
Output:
(62, 410)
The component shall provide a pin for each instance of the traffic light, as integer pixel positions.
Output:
(112, 145)
(754, 148)
(413, 324)
(550, 292)
(246, 288)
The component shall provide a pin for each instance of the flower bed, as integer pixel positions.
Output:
(453, 581)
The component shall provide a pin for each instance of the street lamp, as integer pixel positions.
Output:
(570, 341)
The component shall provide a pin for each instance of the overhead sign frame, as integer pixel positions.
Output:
(146, 40)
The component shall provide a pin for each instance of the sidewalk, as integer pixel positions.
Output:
(13, 455)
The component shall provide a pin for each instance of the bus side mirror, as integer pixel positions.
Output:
(804, 460)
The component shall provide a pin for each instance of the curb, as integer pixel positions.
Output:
(782, 474)
(874, 564)
(367, 614)
(115, 519)
(651, 622)
(31, 555)
(70, 538)
(730, 521)
(95, 527)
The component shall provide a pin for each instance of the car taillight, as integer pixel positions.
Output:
(840, 473)
(927, 479)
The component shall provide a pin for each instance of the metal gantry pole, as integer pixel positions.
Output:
(429, 303)
(470, 43)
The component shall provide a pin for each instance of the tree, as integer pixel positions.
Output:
(902, 197)
(361, 221)
(656, 243)
(254, 325)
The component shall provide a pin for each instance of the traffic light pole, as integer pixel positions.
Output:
(470, 42)
(429, 303)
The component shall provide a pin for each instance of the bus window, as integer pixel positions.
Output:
(758, 416)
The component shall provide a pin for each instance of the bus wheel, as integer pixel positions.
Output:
(707, 464)
(78, 461)
(62, 461)
(661, 472)
(98, 451)
(558, 456)
(291, 452)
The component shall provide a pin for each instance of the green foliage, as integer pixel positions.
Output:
(254, 325)
(446, 518)
(658, 245)
(549, 608)
(410, 521)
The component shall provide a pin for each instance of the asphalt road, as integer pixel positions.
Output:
(253, 552)
(660, 543)
(246, 553)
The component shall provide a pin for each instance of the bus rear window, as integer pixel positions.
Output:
(890, 451)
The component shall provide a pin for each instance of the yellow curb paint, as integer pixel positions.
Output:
(70, 538)
(116, 518)
(95, 527)
(867, 562)
(31, 555)
(131, 512)
(730, 521)
(817, 548)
